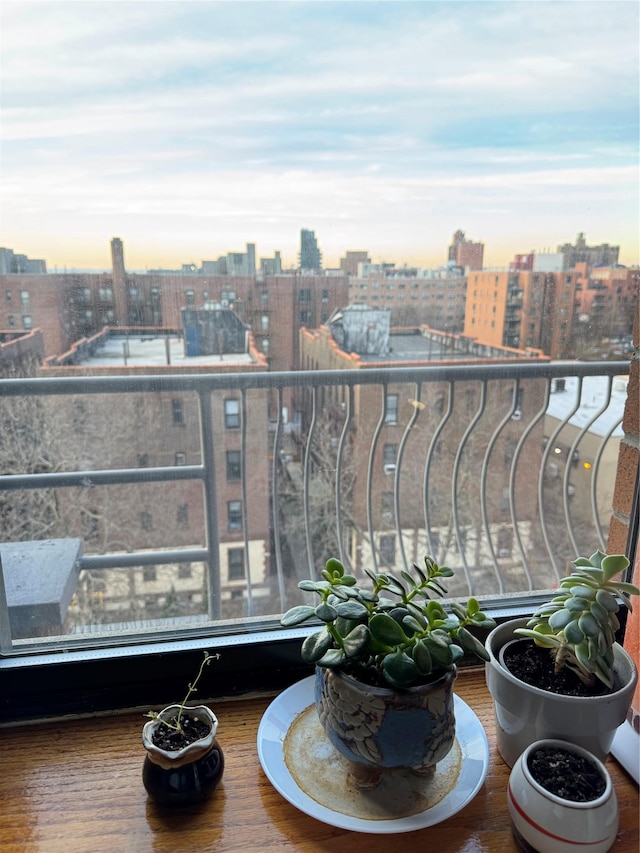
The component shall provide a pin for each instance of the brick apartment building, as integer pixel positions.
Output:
(607, 300)
(522, 309)
(147, 430)
(361, 339)
(465, 253)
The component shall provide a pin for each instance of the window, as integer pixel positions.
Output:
(8, 295)
(182, 516)
(264, 323)
(235, 564)
(232, 413)
(149, 574)
(146, 520)
(177, 411)
(234, 466)
(140, 283)
(389, 454)
(386, 506)
(391, 409)
(234, 515)
(185, 571)
(191, 298)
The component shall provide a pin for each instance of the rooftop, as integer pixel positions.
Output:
(151, 351)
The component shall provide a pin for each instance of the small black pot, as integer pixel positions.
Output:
(186, 776)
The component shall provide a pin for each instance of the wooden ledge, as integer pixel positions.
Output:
(76, 787)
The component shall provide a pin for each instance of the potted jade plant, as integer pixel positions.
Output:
(385, 662)
(183, 762)
(561, 674)
(561, 799)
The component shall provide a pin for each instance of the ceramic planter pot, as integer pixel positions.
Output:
(376, 728)
(186, 776)
(548, 823)
(525, 713)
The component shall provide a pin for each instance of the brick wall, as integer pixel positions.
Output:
(625, 486)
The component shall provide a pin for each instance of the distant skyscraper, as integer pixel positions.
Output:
(594, 256)
(310, 256)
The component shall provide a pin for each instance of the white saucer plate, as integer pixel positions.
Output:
(284, 709)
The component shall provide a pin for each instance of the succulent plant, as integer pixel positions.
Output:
(393, 634)
(578, 625)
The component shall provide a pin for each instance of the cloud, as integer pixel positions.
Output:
(390, 118)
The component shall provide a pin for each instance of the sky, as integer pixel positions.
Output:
(191, 128)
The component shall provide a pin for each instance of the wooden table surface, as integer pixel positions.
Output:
(75, 787)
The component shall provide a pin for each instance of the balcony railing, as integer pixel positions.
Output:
(488, 467)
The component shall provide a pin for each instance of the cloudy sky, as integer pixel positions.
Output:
(191, 128)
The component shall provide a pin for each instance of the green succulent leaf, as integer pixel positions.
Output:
(560, 619)
(613, 565)
(326, 612)
(332, 658)
(573, 633)
(297, 615)
(471, 644)
(356, 642)
(400, 670)
(386, 630)
(314, 586)
(316, 645)
(422, 657)
(352, 609)
(334, 568)
(607, 600)
(588, 625)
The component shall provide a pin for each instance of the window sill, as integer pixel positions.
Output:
(76, 785)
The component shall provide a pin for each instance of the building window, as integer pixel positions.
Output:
(12, 321)
(325, 296)
(149, 573)
(391, 409)
(304, 318)
(191, 298)
(177, 411)
(234, 466)
(324, 316)
(185, 571)
(7, 294)
(389, 456)
(234, 515)
(386, 505)
(27, 322)
(264, 299)
(181, 459)
(265, 346)
(105, 294)
(232, 413)
(388, 550)
(146, 520)
(264, 323)
(25, 302)
(235, 564)
(182, 516)
(304, 295)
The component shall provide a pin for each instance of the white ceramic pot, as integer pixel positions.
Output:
(525, 713)
(548, 823)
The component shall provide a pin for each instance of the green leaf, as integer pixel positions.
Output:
(573, 633)
(613, 565)
(399, 670)
(472, 644)
(352, 609)
(607, 600)
(440, 654)
(326, 613)
(348, 580)
(386, 630)
(316, 645)
(313, 586)
(356, 642)
(581, 591)
(334, 568)
(297, 615)
(560, 619)
(334, 657)
(422, 657)
(412, 623)
(588, 625)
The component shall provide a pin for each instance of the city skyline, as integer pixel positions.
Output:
(382, 127)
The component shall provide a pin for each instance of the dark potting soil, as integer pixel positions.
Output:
(566, 774)
(193, 728)
(534, 665)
